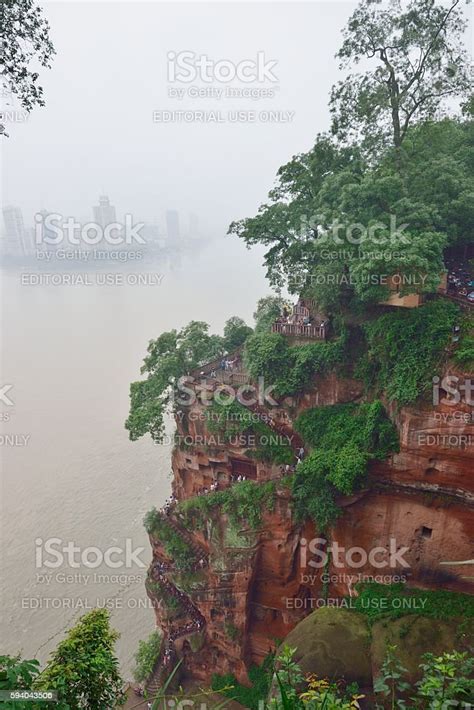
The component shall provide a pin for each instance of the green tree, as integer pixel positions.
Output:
(419, 63)
(267, 311)
(390, 683)
(446, 679)
(19, 674)
(146, 657)
(298, 206)
(83, 668)
(236, 332)
(172, 355)
(25, 41)
(268, 355)
(344, 217)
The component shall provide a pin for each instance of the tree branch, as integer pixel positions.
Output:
(419, 72)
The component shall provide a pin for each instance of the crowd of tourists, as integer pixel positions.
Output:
(460, 281)
(169, 504)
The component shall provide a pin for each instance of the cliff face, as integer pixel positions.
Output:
(252, 587)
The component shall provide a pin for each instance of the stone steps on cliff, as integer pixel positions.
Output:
(199, 549)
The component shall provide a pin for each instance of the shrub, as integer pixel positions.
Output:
(464, 354)
(146, 657)
(405, 347)
(245, 501)
(291, 368)
(250, 697)
(440, 604)
(175, 545)
(345, 438)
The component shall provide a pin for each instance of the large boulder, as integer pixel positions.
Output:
(333, 643)
(416, 635)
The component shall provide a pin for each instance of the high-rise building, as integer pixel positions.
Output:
(44, 237)
(15, 242)
(193, 225)
(151, 234)
(172, 227)
(104, 212)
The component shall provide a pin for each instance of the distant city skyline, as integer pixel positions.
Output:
(20, 238)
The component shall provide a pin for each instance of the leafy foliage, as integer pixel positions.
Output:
(344, 438)
(405, 348)
(336, 228)
(386, 600)
(175, 545)
(83, 668)
(390, 683)
(146, 657)
(250, 697)
(267, 311)
(18, 674)
(172, 355)
(234, 421)
(290, 368)
(236, 332)
(25, 40)
(321, 694)
(446, 679)
(242, 502)
(419, 63)
(464, 354)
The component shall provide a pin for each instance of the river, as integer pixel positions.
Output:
(71, 477)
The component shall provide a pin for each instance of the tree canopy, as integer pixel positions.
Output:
(172, 355)
(26, 44)
(267, 311)
(337, 228)
(392, 185)
(83, 668)
(415, 61)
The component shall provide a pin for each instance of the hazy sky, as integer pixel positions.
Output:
(96, 132)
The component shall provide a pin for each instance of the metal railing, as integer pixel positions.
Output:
(301, 331)
(215, 365)
(301, 311)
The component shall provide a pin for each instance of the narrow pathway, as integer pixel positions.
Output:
(197, 548)
(168, 657)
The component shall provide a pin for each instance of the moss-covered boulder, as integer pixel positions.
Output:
(415, 635)
(333, 643)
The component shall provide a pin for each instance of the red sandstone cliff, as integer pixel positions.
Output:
(255, 585)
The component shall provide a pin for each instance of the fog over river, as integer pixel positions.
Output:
(69, 470)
